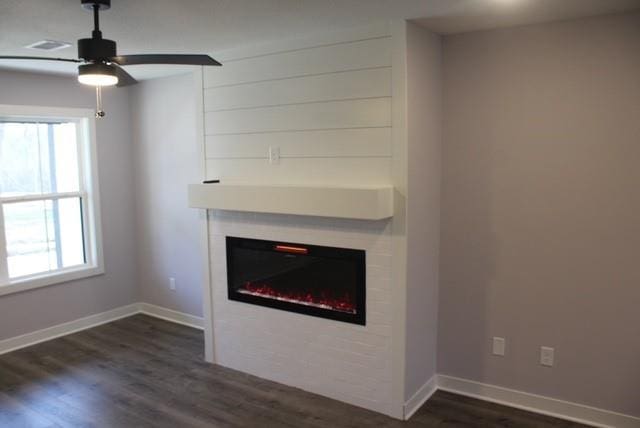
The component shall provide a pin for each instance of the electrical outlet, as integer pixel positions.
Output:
(546, 356)
(498, 346)
(274, 155)
(172, 284)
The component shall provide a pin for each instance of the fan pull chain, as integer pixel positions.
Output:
(99, 112)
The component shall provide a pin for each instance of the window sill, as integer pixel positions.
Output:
(30, 283)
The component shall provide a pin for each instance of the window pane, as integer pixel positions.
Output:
(66, 158)
(71, 237)
(38, 158)
(43, 236)
(20, 154)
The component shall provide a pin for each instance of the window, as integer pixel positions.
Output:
(49, 210)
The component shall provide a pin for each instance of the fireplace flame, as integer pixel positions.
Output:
(343, 304)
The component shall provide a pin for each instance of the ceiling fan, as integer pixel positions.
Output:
(101, 66)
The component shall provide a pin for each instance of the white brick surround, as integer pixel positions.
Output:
(343, 361)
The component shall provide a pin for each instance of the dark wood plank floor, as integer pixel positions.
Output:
(144, 372)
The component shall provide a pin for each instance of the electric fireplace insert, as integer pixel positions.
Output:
(320, 281)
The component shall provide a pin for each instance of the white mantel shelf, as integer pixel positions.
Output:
(364, 203)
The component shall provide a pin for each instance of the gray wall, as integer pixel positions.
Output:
(44, 307)
(541, 209)
(167, 158)
(424, 133)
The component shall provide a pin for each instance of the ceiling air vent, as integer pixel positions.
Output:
(48, 45)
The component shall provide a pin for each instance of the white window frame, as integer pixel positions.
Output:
(88, 194)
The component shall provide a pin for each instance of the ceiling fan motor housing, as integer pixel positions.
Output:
(102, 4)
(96, 49)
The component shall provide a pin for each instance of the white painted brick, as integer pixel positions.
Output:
(378, 295)
(343, 361)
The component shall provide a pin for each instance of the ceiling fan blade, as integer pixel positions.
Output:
(124, 78)
(40, 58)
(164, 59)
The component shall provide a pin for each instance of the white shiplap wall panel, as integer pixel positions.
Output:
(356, 55)
(327, 107)
(365, 142)
(352, 34)
(367, 113)
(316, 171)
(370, 83)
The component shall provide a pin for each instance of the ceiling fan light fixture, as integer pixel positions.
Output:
(97, 74)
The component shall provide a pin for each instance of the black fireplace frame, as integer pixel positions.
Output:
(358, 256)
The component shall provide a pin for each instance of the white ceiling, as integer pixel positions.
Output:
(209, 26)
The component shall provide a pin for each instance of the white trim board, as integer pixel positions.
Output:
(171, 315)
(420, 397)
(64, 329)
(537, 403)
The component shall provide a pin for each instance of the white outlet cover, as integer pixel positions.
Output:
(498, 346)
(172, 283)
(546, 356)
(274, 155)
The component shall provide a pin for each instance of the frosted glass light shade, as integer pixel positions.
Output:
(97, 75)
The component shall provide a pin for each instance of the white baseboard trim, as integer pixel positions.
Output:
(537, 403)
(35, 337)
(420, 397)
(28, 339)
(171, 315)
